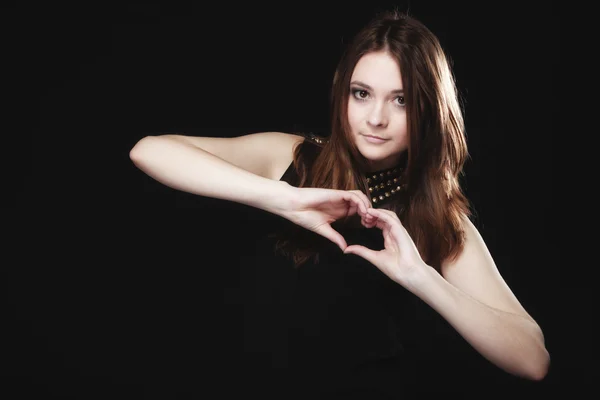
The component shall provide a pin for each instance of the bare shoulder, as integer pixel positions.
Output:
(283, 145)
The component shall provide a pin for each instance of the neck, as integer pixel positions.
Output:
(384, 184)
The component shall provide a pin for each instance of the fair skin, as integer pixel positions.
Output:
(376, 107)
(470, 293)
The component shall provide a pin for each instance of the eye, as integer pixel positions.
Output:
(401, 102)
(360, 94)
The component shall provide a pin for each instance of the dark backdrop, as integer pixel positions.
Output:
(115, 285)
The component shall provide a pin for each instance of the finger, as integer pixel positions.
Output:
(369, 221)
(384, 214)
(364, 198)
(328, 232)
(369, 218)
(353, 209)
(367, 254)
(387, 221)
(372, 222)
(365, 203)
(390, 213)
(353, 197)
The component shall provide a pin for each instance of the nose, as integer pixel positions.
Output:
(377, 116)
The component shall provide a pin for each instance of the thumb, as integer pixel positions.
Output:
(362, 251)
(328, 232)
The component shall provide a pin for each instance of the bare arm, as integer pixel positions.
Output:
(511, 341)
(246, 170)
(242, 173)
(475, 300)
(470, 294)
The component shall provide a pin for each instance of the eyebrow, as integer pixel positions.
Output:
(364, 85)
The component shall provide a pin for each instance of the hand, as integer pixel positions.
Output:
(400, 259)
(315, 209)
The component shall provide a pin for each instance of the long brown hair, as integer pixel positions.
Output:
(432, 205)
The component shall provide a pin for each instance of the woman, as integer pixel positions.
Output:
(392, 162)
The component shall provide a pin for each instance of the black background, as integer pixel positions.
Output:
(115, 285)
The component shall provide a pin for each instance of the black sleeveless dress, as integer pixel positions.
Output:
(339, 326)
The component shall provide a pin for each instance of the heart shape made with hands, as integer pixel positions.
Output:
(400, 255)
(316, 209)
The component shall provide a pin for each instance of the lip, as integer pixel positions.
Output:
(374, 139)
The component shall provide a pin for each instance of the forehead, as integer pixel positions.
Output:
(379, 70)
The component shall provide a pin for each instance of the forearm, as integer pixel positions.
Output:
(185, 167)
(512, 342)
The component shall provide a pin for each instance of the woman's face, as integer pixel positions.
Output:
(376, 108)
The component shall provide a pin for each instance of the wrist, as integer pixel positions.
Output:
(420, 279)
(280, 199)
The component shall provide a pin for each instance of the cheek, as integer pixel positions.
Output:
(400, 122)
(354, 116)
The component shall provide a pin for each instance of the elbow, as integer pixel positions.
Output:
(150, 147)
(136, 151)
(139, 152)
(539, 369)
(539, 361)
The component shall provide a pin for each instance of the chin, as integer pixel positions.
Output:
(375, 160)
(373, 154)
